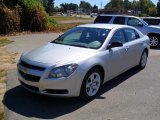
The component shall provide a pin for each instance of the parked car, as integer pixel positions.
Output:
(152, 32)
(94, 14)
(81, 60)
(152, 20)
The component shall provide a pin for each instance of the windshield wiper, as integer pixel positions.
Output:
(78, 45)
(59, 43)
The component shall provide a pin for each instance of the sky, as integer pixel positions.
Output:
(92, 2)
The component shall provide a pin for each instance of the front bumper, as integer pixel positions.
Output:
(62, 87)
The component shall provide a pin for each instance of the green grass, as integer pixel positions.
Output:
(62, 27)
(67, 18)
(4, 41)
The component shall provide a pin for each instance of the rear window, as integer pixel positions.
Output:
(103, 19)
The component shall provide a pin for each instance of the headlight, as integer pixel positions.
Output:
(63, 71)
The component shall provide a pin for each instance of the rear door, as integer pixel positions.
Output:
(132, 46)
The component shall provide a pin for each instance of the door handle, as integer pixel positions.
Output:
(126, 48)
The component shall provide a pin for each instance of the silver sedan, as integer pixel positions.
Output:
(81, 60)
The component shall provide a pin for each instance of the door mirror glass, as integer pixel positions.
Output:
(140, 24)
(115, 44)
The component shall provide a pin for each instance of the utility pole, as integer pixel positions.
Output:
(101, 5)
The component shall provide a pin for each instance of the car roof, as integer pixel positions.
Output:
(150, 17)
(119, 15)
(104, 26)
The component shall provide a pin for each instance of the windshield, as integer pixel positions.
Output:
(83, 37)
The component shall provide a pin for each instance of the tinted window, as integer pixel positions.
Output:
(134, 22)
(119, 20)
(102, 19)
(131, 34)
(152, 21)
(83, 37)
(118, 37)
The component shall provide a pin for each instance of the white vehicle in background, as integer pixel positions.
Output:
(94, 14)
(153, 32)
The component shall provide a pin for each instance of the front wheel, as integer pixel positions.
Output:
(154, 41)
(91, 84)
(143, 60)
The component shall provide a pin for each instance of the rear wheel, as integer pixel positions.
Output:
(154, 41)
(143, 60)
(91, 84)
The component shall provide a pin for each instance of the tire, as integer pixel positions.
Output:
(91, 84)
(143, 60)
(154, 41)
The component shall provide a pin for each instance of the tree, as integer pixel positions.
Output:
(85, 5)
(141, 3)
(126, 4)
(152, 11)
(68, 6)
(115, 5)
(95, 9)
(146, 7)
(48, 5)
(158, 8)
(73, 6)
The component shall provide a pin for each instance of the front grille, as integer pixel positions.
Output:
(30, 87)
(31, 66)
(29, 77)
(53, 91)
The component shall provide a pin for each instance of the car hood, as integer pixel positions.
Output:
(56, 53)
(154, 28)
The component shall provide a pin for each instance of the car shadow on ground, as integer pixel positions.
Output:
(30, 105)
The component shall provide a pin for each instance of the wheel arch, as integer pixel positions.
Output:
(146, 51)
(151, 34)
(97, 66)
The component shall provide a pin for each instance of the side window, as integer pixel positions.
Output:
(152, 21)
(118, 37)
(103, 19)
(119, 20)
(134, 22)
(131, 34)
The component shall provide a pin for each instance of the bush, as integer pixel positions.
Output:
(33, 16)
(9, 19)
(26, 15)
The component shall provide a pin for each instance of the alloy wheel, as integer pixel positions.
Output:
(154, 41)
(143, 59)
(93, 84)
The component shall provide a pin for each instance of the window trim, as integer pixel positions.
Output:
(120, 29)
(127, 40)
(133, 18)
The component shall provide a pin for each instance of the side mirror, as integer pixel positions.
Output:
(140, 24)
(115, 44)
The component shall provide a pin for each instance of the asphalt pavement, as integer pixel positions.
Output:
(133, 95)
